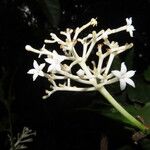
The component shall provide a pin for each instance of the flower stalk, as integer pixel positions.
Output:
(134, 122)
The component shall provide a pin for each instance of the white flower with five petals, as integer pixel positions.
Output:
(55, 62)
(130, 27)
(124, 76)
(37, 71)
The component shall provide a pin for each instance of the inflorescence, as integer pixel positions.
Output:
(73, 62)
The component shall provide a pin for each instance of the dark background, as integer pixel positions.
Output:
(59, 121)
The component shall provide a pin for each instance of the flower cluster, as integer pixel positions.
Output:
(20, 142)
(82, 58)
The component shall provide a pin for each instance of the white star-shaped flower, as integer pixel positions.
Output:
(130, 27)
(124, 76)
(55, 62)
(37, 71)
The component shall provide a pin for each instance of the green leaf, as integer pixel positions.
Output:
(141, 93)
(147, 74)
(109, 112)
(145, 113)
(112, 113)
(51, 9)
(115, 115)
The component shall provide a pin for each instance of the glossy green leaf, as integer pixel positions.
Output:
(143, 113)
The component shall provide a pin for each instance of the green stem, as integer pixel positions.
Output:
(116, 105)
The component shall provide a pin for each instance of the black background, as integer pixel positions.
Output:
(58, 121)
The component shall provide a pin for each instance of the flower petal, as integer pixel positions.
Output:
(130, 82)
(123, 68)
(50, 68)
(122, 84)
(31, 71)
(116, 73)
(130, 74)
(58, 67)
(41, 73)
(35, 76)
(129, 21)
(130, 29)
(49, 60)
(35, 64)
(61, 58)
(42, 66)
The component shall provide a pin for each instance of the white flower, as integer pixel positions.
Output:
(124, 76)
(130, 27)
(55, 62)
(37, 71)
